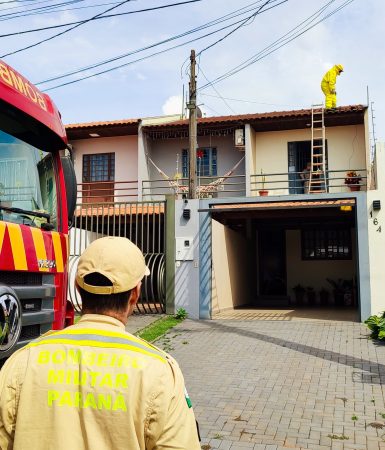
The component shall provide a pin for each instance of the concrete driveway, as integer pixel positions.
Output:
(280, 384)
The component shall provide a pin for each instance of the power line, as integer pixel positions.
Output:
(281, 41)
(244, 22)
(215, 89)
(194, 30)
(249, 101)
(98, 18)
(39, 10)
(66, 31)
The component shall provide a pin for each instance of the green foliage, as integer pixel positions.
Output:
(376, 325)
(158, 328)
(354, 417)
(341, 285)
(181, 314)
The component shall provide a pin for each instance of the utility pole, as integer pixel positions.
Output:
(192, 107)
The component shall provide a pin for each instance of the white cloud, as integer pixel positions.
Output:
(173, 105)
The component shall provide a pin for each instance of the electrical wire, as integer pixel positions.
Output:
(215, 89)
(65, 31)
(250, 101)
(102, 17)
(219, 20)
(32, 11)
(279, 43)
(243, 23)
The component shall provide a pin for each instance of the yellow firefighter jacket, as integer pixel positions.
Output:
(94, 386)
(329, 80)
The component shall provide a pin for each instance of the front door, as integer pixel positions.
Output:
(272, 262)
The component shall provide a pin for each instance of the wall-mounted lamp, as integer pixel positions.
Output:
(186, 214)
(376, 205)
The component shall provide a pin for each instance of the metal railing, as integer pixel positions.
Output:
(291, 183)
(143, 223)
(107, 191)
(207, 187)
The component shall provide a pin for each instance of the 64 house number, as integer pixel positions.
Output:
(376, 222)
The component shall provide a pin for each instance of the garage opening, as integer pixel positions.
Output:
(299, 257)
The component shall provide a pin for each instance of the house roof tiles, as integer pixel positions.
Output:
(244, 118)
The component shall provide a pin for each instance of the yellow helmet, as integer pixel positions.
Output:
(340, 67)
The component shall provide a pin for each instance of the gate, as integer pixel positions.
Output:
(143, 223)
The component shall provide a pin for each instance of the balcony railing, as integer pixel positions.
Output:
(291, 183)
(207, 187)
(107, 191)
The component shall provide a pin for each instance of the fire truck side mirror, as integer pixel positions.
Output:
(71, 186)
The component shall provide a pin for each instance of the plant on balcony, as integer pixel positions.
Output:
(263, 192)
(353, 180)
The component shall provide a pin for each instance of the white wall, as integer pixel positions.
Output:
(187, 272)
(376, 231)
(126, 158)
(314, 273)
(346, 151)
(249, 156)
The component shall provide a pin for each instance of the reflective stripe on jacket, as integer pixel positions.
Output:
(94, 386)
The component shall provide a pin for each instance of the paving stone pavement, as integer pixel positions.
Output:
(271, 385)
(137, 322)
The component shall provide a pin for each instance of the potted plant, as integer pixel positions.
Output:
(263, 192)
(353, 180)
(324, 295)
(310, 296)
(299, 292)
(342, 291)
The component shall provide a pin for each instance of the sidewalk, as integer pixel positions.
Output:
(138, 321)
(278, 385)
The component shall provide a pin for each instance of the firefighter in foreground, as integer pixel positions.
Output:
(93, 385)
(328, 86)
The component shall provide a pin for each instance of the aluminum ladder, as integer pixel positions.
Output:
(317, 176)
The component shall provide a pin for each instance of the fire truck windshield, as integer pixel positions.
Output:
(27, 184)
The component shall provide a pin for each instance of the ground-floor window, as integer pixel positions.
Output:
(320, 244)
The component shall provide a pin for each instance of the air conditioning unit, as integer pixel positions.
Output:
(239, 137)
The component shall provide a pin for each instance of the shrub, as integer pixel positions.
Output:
(181, 314)
(376, 325)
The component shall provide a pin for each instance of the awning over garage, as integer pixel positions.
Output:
(288, 205)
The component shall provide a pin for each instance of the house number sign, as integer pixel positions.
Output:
(375, 222)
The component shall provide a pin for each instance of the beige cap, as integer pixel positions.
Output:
(118, 259)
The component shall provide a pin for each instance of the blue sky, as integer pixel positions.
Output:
(286, 79)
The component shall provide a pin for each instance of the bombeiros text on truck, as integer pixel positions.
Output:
(37, 202)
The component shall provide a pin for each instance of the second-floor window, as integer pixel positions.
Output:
(98, 167)
(206, 162)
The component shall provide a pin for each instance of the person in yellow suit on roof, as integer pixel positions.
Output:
(328, 85)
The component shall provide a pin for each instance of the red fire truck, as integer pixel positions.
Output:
(37, 201)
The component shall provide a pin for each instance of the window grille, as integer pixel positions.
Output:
(326, 244)
(98, 167)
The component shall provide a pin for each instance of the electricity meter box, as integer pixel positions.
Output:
(184, 249)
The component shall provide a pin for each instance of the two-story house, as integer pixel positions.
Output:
(312, 241)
